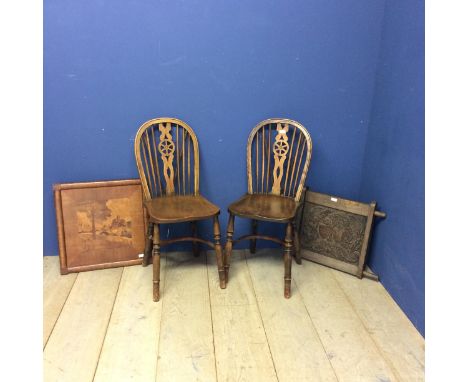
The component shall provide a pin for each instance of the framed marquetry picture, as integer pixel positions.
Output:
(99, 224)
(336, 232)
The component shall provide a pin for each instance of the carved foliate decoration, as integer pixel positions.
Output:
(166, 148)
(333, 233)
(280, 150)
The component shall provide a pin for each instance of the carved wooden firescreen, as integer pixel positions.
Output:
(336, 232)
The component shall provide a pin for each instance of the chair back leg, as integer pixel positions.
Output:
(228, 247)
(156, 262)
(219, 252)
(148, 244)
(195, 246)
(288, 244)
(297, 244)
(253, 242)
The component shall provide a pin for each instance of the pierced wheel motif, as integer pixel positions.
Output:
(166, 147)
(281, 148)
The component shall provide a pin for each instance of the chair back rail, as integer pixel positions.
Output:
(278, 158)
(167, 156)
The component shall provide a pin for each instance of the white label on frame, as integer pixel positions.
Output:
(140, 255)
(334, 199)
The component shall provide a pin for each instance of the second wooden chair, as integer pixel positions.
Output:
(278, 158)
(167, 156)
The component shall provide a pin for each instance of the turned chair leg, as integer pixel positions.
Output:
(253, 242)
(287, 261)
(195, 246)
(228, 247)
(219, 252)
(297, 244)
(148, 244)
(156, 262)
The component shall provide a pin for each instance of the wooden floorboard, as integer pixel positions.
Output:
(295, 345)
(398, 340)
(104, 325)
(351, 350)
(242, 351)
(186, 350)
(56, 288)
(73, 349)
(130, 348)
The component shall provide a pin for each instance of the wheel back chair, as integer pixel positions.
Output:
(167, 157)
(278, 158)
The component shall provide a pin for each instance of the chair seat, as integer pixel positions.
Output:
(265, 207)
(180, 208)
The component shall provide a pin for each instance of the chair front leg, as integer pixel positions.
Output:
(156, 262)
(219, 252)
(148, 244)
(228, 247)
(287, 261)
(195, 246)
(253, 242)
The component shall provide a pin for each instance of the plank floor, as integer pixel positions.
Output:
(103, 325)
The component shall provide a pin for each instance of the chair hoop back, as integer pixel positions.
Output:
(278, 158)
(167, 156)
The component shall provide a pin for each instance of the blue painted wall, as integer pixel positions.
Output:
(393, 172)
(223, 66)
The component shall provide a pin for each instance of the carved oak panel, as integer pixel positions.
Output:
(333, 233)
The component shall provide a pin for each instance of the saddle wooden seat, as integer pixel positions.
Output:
(265, 207)
(180, 208)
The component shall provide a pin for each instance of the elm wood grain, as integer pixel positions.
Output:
(169, 173)
(178, 209)
(265, 207)
(99, 224)
(275, 195)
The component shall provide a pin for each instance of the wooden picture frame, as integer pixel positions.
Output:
(99, 224)
(336, 232)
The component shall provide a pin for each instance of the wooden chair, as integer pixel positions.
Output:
(278, 158)
(167, 156)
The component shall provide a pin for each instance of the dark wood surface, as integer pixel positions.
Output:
(265, 207)
(100, 224)
(167, 158)
(278, 158)
(336, 232)
(177, 209)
